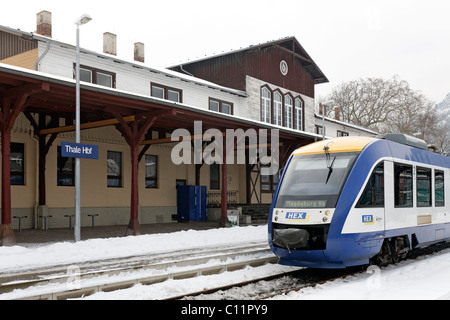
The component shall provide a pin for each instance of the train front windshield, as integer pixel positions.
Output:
(315, 181)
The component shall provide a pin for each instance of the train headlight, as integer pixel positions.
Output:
(327, 213)
(325, 219)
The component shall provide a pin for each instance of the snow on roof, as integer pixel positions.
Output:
(138, 65)
(90, 86)
(347, 124)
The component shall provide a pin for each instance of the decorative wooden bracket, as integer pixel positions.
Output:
(134, 133)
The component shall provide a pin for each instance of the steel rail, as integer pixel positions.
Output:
(229, 259)
(311, 278)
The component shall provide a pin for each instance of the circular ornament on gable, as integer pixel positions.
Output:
(284, 68)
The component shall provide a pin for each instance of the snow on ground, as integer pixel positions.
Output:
(423, 278)
(426, 278)
(25, 257)
(176, 288)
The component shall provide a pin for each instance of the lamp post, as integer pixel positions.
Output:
(77, 230)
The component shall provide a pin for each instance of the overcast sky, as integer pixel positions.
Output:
(348, 39)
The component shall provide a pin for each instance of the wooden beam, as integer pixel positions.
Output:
(182, 138)
(201, 137)
(295, 54)
(89, 125)
(29, 90)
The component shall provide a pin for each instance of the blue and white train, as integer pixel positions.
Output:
(356, 200)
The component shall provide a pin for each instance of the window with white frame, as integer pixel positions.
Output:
(114, 169)
(266, 111)
(298, 114)
(151, 171)
(227, 108)
(17, 166)
(104, 79)
(214, 105)
(173, 95)
(288, 111)
(158, 92)
(85, 75)
(277, 108)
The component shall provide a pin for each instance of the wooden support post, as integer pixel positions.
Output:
(7, 237)
(12, 103)
(248, 172)
(224, 222)
(134, 227)
(134, 133)
(44, 148)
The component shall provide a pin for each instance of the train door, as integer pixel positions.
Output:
(440, 212)
(389, 198)
(369, 213)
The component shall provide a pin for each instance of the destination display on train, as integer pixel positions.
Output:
(305, 204)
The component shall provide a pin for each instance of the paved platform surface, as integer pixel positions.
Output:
(61, 235)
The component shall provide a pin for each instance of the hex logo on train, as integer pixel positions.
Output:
(296, 216)
(368, 219)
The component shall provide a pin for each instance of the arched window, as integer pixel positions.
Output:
(288, 111)
(266, 98)
(277, 109)
(298, 114)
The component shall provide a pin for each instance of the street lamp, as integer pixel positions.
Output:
(77, 230)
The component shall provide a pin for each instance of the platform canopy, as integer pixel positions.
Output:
(35, 93)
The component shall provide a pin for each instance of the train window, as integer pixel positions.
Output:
(403, 183)
(423, 181)
(439, 189)
(314, 181)
(373, 195)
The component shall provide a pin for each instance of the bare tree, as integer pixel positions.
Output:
(372, 102)
(390, 106)
(437, 132)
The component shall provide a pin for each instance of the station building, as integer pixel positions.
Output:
(130, 111)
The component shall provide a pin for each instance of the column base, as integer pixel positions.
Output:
(134, 228)
(224, 222)
(7, 238)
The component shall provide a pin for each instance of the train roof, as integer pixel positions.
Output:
(404, 139)
(336, 145)
(356, 144)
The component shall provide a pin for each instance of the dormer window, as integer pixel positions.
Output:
(167, 93)
(96, 76)
(220, 106)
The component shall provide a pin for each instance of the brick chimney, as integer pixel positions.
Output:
(322, 109)
(110, 43)
(337, 113)
(139, 52)
(44, 23)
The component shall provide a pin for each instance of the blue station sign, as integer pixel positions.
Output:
(78, 150)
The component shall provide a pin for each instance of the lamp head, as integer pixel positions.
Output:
(85, 18)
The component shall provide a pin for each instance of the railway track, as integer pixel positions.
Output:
(271, 286)
(295, 281)
(58, 284)
(64, 282)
